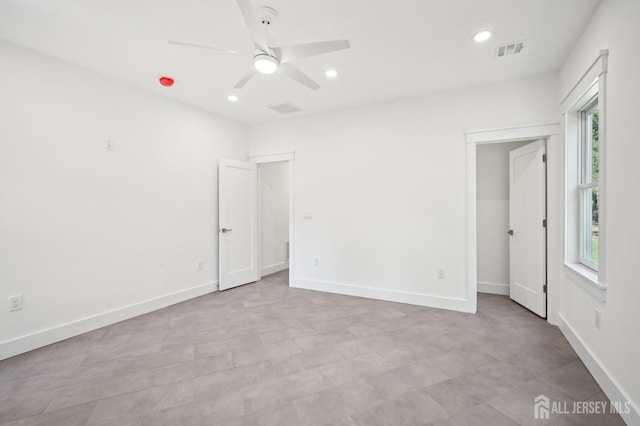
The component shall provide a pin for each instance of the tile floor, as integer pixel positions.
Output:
(265, 354)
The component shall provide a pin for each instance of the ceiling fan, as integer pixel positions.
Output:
(267, 59)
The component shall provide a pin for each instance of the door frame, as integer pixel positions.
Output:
(481, 137)
(288, 157)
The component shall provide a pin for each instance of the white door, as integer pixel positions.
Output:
(237, 223)
(527, 222)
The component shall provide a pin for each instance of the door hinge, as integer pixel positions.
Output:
(544, 223)
(544, 158)
(544, 288)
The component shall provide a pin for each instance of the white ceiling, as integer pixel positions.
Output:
(400, 48)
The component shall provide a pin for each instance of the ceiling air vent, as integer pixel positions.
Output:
(284, 108)
(509, 49)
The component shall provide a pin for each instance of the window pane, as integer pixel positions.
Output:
(590, 220)
(594, 225)
(594, 119)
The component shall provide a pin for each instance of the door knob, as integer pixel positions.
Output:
(510, 232)
(225, 230)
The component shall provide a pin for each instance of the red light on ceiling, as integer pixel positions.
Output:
(166, 81)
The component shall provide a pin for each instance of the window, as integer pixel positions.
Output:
(585, 116)
(588, 169)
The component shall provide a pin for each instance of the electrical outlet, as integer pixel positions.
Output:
(316, 261)
(441, 273)
(598, 319)
(199, 265)
(110, 145)
(15, 303)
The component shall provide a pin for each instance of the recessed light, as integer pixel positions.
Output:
(331, 73)
(233, 98)
(481, 36)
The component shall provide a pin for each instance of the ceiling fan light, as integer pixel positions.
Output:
(265, 64)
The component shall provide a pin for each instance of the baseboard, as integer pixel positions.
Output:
(272, 269)
(493, 288)
(454, 304)
(55, 334)
(599, 372)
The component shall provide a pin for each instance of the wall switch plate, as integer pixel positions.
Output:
(316, 261)
(597, 319)
(199, 265)
(307, 215)
(441, 273)
(15, 303)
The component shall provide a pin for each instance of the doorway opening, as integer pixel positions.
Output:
(492, 195)
(273, 217)
(511, 220)
(263, 162)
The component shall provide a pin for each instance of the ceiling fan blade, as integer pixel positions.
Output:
(295, 74)
(248, 76)
(202, 46)
(299, 51)
(255, 28)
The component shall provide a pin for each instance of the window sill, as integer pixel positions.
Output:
(588, 280)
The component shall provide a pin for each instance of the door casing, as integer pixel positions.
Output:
(551, 132)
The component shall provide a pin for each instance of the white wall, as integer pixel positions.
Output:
(88, 235)
(612, 353)
(386, 186)
(274, 216)
(492, 216)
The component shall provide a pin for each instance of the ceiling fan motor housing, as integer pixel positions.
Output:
(266, 15)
